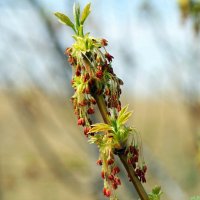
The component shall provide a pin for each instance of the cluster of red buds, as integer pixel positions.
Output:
(93, 75)
(132, 153)
(109, 174)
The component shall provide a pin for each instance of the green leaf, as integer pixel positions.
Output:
(156, 190)
(64, 19)
(156, 193)
(85, 13)
(123, 110)
(100, 127)
(123, 116)
(76, 12)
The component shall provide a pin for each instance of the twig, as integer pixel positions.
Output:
(137, 184)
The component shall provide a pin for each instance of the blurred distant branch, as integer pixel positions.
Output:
(52, 33)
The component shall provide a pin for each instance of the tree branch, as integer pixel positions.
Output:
(135, 181)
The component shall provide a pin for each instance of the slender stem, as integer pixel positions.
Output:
(102, 108)
(137, 184)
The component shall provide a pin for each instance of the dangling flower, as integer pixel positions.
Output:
(104, 42)
(109, 57)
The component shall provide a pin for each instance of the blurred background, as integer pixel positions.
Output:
(43, 154)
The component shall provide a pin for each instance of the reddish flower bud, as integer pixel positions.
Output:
(117, 181)
(81, 121)
(134, 150)
(105, 65)
(116, 170)
(103, 174)
(78, 73)
(71, 60)
(111, 177)
(143, 179)
(114, 185)
(118, 108)
(110, 161)
(104, 42)
(99, 162)
(131, 149)
(86, 77)
(138, 172)
(129, 161)
(104, 191)
(83, 103)
(109, 57)
(86, 130)
(90, 111)
(68, 51)
(108, 193)
(93, 101)
(135, 158)
(99, 74)
(110, 70)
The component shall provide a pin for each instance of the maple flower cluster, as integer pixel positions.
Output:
(132, 153)
(93, 77)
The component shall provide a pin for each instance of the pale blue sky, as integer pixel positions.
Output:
(152, 45)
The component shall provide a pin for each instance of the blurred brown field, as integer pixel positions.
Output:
(44, 155)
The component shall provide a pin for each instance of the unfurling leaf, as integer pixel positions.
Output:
(100, 127)
(76, 12)
(85, 13)
(156, 193)
(64, 19)
(156, 190)
(123, 115)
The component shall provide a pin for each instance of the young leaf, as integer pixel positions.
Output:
(123, 110)
(85, 13)
(156, 190)
(76, 12)
(123, 116)
(156, 193)
(100, 127)
(64, 20)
